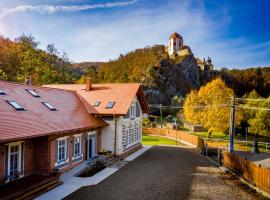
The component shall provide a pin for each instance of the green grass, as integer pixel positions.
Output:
(156, 140)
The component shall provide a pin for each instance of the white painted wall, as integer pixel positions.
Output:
(107, 137)
(177, 47)
(108, 132)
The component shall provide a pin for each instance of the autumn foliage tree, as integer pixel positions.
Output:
(210, 106)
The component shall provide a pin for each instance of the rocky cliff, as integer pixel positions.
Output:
(171, 78)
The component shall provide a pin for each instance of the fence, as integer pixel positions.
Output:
(252, 173)
(239, 144)
(178, 135)
(249, 171)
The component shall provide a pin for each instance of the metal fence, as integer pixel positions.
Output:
(239, 144)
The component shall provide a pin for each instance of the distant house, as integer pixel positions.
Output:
(121, 105)
(44, 128)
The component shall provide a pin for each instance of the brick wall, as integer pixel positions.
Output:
(41, 156)
(2, 163)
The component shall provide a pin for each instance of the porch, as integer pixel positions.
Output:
(28, 187)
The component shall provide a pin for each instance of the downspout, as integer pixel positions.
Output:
(115, 134)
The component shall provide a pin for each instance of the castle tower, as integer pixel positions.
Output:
(175, 43)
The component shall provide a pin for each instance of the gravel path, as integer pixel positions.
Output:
(167, 173)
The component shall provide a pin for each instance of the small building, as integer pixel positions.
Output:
(121, 106)
(175, 43)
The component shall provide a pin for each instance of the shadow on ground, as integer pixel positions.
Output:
(165, 173)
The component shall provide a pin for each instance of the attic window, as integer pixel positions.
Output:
(15, 105)
(2, 92)
(110, 104)
(49, 106)
(34, 94)
(97, 103)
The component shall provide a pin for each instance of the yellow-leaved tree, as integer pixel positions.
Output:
(210, 106)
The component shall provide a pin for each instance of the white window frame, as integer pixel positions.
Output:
(79, 137)
(20, 161)
(133, 110)
(65, 160)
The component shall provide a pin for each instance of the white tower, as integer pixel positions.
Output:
(175, 43)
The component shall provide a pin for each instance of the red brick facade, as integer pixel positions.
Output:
(39, 155)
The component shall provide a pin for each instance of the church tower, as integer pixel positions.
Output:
(175, 43)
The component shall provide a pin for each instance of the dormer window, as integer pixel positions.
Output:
(32, 92)
(49, 106)
(15, 105)
(2, 92)
(110, 104)
(97, 103)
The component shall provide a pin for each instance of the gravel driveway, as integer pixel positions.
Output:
(167, 173)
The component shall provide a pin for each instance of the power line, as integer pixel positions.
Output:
(247, 99)
(181, 107)
(254, 108)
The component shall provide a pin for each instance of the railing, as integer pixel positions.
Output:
(245, 145)
(254, 174)
(178, 135)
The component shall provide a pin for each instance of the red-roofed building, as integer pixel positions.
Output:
(42, 129)
(60, 126)
(121, 105)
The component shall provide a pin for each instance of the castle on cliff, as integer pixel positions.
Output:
(176, 47)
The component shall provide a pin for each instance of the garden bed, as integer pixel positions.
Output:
(92, 170)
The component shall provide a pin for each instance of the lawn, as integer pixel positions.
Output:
(156, 140)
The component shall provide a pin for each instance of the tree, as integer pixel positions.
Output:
(210, 106)
(260, 124)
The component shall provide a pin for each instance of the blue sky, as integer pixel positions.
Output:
(234, 33)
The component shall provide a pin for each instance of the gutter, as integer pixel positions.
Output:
(115, 134)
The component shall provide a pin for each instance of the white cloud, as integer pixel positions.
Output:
(100, 37)
(49, 9)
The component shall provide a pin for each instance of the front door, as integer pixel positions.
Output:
(91, 146)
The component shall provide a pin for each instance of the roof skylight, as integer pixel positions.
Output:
(2, 92)
(15, 105)
(34, 94)
(97, 103)
(49, 106)
(110, 104)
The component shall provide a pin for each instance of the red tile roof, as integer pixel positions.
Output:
(120, 93)
(37, 119)
(175, 35)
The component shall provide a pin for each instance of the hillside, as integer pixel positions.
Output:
(165, 79)
(22, 58)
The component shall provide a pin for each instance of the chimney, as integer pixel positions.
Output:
(88, 84)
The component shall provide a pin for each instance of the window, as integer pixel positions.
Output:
(49, 106)
(34, 94)
(97, 103)
(62, 150)
(138, 110)
(110, 104)
(132, 111)
(15, 105)
(77, 148)
(15, 160)
(2, 92)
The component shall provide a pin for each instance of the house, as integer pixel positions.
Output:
(43, 129)
(121, 106)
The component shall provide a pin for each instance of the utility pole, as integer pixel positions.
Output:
(161, 122)
(232, 126)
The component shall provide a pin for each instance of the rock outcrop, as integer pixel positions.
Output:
(171, 78)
